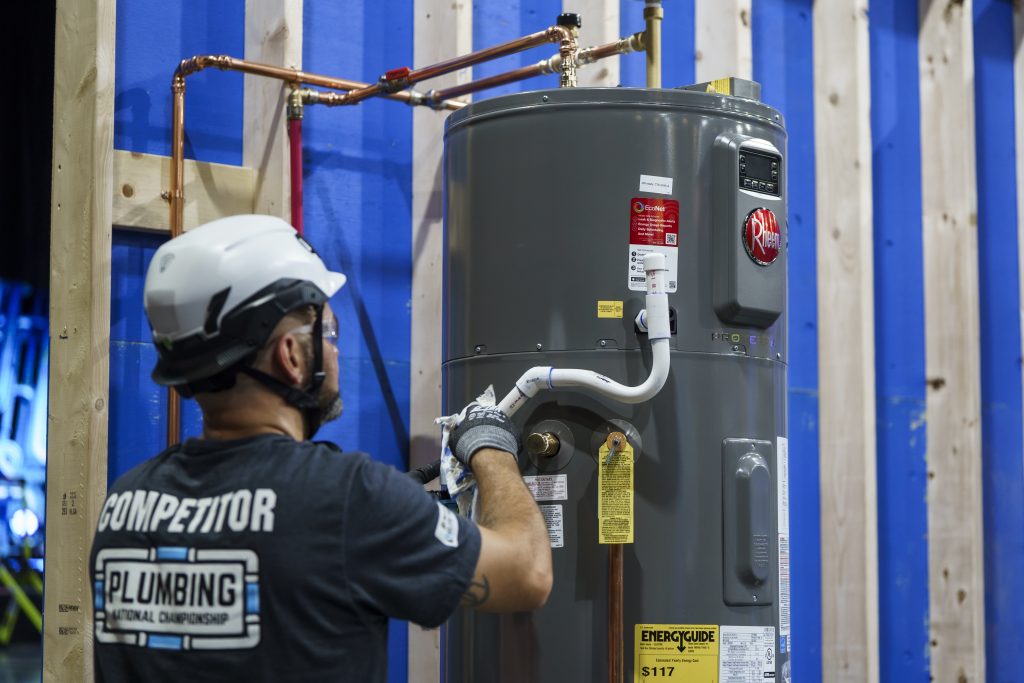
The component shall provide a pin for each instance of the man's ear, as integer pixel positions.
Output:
(288, 360)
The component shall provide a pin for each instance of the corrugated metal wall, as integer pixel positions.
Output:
(358, 171)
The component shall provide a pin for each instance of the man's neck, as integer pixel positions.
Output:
(261, 413)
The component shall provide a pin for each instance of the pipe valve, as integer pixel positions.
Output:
(543, 444)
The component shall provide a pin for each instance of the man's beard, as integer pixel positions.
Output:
(331, 405)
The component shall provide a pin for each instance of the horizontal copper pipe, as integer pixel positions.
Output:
(193, 65)
(552, 34)
(520, 74)
(633, 43)
(334, 99)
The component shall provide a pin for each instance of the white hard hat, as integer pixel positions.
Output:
(214, 294)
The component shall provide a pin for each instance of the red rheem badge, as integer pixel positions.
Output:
(762, 237)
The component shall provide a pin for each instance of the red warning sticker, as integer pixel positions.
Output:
(653, 227)
(654, 222)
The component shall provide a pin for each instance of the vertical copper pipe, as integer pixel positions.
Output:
(177, 207)
(653, 14)
(295, 111)
(615, 616)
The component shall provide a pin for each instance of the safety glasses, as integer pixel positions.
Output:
(329, 330)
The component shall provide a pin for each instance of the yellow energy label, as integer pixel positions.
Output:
(609, 309)
(615, 494)
(687, 653)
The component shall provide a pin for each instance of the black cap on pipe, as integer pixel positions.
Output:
(570, 19)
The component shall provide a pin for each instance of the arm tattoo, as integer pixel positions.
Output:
(477, 593)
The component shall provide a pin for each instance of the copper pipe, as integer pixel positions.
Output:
(633, 43)
(551, 34)
(176, 197)
(615, 613)
(334, 99)
(653, 14)
(623, 46)
(521, 74)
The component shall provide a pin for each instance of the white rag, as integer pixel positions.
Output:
(456, 478)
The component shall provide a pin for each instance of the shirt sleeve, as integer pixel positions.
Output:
(406, 555)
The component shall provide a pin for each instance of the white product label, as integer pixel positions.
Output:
(784, 586)
(782, 458)
(655, 183)
(746, 653)
(553, 520)
(548, 486)
(782, 463)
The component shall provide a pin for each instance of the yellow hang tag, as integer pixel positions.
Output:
(615, 494)
(675, 652)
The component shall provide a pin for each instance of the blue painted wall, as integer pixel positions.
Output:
(899, 344)
(998, 249)
(783, 65)
(357, 210)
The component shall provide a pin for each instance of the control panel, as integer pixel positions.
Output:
(759, 171)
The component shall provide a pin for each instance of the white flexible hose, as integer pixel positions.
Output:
(656, 318)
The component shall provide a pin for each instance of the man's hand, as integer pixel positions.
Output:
(483, 427)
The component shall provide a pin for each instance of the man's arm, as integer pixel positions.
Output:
(514, 569)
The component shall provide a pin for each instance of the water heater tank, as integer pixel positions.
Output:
(552, 200)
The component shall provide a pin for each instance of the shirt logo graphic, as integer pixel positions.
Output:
(178, 598)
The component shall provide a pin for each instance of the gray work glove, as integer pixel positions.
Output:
(483, 427)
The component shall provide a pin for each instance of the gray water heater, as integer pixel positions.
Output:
(553, 198)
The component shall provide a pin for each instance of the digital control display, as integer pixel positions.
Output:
(760, 171)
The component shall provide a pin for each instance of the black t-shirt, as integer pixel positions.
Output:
(268, 559)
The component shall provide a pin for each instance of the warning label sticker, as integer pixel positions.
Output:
(556, 527)
(615, 495)
(653, 228)
(676, 652)
(548, 486)
(747, 653)
(609, 309)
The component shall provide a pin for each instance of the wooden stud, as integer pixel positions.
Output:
(80, 246)
(600, 26)
(211, 191)
(723, 39)
(273, 35)
(442, 29)
(846, 342)
(952, 329)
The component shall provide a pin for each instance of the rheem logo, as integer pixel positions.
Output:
(762, 237)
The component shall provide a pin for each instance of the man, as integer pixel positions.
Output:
(254, 553)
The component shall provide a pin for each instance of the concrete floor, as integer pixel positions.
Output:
(21, 663)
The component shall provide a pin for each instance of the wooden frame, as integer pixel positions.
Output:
(211, 191)
(723, 39)
(600, 25)
(80, 244)
(846, 342)
(952, 331)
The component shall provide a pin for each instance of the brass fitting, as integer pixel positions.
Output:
(543, 444)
